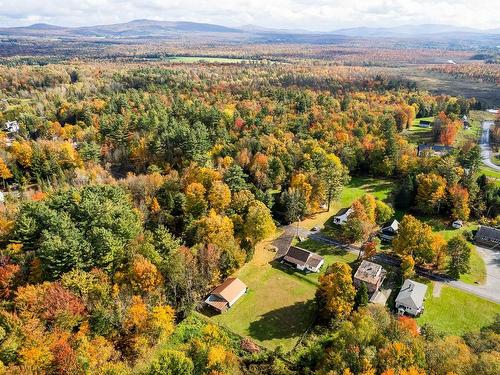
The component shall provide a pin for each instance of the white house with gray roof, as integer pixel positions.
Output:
(410, 299)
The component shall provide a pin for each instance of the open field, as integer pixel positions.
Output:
(439, 83)
(204, 59)
(489, 172)
(455, 312)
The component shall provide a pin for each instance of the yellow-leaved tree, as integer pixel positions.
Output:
(335, 294)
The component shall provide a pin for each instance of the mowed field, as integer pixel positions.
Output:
(456, 312)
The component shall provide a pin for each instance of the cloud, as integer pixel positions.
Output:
(321, 15)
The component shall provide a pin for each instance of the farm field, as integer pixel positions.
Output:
(456, 312)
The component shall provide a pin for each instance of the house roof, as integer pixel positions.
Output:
(412, 294)
(427, 122)
(230, 289)
(343, 211)
(488, 233)
(314, 260)
(296, 255)
(369, 272)
(394, 225)
(216, 302)
(301, 257)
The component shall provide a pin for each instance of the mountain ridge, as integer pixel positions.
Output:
(164, 29)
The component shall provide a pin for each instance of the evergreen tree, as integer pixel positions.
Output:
(361, 298)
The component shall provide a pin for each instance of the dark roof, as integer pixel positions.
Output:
(488, 233)
(342, 211)
(392, 226)
(426, 122)
(296, 255)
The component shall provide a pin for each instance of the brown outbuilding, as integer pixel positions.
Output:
(226, 294)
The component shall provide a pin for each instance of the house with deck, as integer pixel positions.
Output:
(410, 299)
(371, 274)
(303, 259)
(226, 294)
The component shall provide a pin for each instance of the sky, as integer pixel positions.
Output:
(314, 15)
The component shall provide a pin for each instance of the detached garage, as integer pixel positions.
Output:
(226, 294)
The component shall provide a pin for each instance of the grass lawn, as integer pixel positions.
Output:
(496, 159)
(278, 307)
(381, 189)
(489, 172)
(456, 312)
(418, 135)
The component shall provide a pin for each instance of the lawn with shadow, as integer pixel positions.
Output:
(282, 323)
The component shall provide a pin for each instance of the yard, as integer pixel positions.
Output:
(417, 134)
(279, 306)
(277, 309)
(456, 312)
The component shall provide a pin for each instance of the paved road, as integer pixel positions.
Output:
(485, 145)
(490, 290)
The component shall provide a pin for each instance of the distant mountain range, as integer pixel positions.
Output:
(412, 31)
(172, 29)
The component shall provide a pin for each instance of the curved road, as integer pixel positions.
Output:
(485, 145)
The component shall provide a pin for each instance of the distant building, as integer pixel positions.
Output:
(487, 236)
(410, 299)
(12, 126)
(341, 217)
(372, 274)
(425, 123)
(433, 150)
(389, 230)
(226, 294)
(457, 224)
(303, 259)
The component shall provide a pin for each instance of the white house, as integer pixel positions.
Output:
(457, 224)
(410, 299)
(303, 259)
(340, 217)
